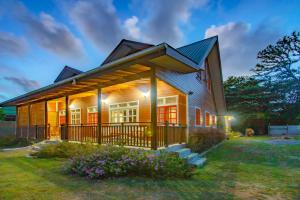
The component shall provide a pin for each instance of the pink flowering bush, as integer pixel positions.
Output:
(113, 161)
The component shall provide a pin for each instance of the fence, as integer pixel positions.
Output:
(7, 128)
(129, 134)
(39, 132)
(284, 130)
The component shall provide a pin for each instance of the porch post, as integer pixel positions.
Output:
(67, 118)
(46, 120)
(99, 106)
(17, 122)
(153, 93)
(29, 121)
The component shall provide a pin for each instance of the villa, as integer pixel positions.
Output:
(142, 95)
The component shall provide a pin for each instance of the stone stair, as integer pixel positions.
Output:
(186, 153)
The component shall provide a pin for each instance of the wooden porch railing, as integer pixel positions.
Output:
(128, 134)
(39, 132)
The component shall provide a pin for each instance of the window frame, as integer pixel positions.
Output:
(201, 117)
(137, 106)
(79, 115)
(60, 115)
(170, 104)
(88, 112)
(209, 120)
(214, 125)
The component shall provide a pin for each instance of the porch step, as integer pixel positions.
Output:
(183, 152)
(186, 153)
(175, 147)
(199, 162)
(192, 157)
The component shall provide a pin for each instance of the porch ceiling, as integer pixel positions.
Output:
(75, 86)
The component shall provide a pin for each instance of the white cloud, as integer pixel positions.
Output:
(240, 43)
(99, 23)
(164, 18)
(133, 30)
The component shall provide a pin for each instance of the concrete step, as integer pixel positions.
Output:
(183, 152)
(198, 162)
(175, 147)
(192, 157)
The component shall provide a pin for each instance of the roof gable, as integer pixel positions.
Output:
(125, 48)
(67, 72)
(198, 51)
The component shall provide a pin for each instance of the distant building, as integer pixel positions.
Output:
(9, 113)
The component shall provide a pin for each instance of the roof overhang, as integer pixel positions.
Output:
(125, 69)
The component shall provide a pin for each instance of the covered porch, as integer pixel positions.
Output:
(120, 102)
(125, 115)
(146, 112)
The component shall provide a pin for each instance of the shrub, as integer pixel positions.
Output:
(249, 132)
(65, 150)
(111, 161)
(10, 141)
(203, 141)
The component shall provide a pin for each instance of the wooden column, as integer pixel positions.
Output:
(28, 120)
(99, 106)
(153, 93)
(47, 136)
(17, 122)
(67, 117)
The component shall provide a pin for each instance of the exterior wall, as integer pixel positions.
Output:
(37, 114)
(198, 96)
(127, 94)
(83, 103)
(22, 116)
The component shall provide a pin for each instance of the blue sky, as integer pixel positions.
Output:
(38, 38)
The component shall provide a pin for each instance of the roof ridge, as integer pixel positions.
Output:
(216, 36)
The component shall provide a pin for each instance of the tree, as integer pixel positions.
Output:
(1, 114)
(247, 99)
(279, 70)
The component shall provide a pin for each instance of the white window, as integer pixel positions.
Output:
(167, 101)
(76, 116)
(124, 112)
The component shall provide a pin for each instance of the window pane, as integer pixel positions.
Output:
(170, 100)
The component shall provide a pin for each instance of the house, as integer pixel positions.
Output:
(141, 95)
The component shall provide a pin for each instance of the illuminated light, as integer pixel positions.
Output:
(104, 101)
(71, 106)
(146, 94)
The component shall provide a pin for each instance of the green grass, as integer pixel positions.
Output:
(297, 137)
(238, 169)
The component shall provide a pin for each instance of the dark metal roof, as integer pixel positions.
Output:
(124, 48)
(197, 51)
(67, 72)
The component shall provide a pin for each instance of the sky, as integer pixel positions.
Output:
(39, 37)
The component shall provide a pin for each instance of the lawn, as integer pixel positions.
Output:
(238, 169)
